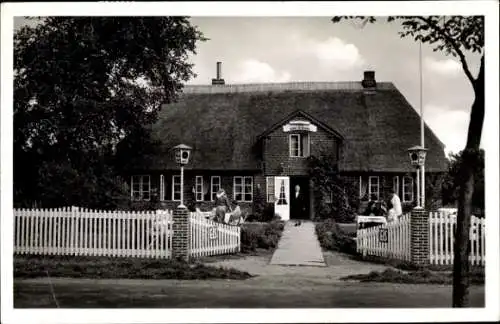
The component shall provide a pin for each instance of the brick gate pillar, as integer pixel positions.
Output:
(181, 233)
(419, 236)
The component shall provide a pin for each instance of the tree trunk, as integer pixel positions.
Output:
(466, 190)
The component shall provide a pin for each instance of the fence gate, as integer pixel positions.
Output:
(212, 238)
(391, 240)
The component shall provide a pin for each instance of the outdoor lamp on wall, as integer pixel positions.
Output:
(182, 154)
(417, 159)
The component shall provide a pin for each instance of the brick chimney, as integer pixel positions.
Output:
(219, 80)
(369, 80)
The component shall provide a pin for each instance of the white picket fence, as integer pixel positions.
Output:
(212, 238)
(391, 240)
(79, 231)
(143, 234)
(442, 228)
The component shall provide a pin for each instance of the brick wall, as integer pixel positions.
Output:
(276, 151)
(180, 237)
(419, 236)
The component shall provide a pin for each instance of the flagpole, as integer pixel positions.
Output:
(422, 143)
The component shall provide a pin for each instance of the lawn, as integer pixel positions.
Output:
(119, 268)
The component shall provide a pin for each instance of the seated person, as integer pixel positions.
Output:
(370, 209)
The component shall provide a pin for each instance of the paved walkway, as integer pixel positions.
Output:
(298, 246)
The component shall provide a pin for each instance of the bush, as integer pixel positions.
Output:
(263, 213)
(261, 235)
(335, 196)
(331, 237)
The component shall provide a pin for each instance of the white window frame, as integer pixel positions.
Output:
(404, 189)
(370, 186)
(243, 188)
(198, 186)
(270, 183)
(174, 177)
(162, 187)
(395, 184)
(360, 187)
(212, 184)
(137, 195)
(302, 152)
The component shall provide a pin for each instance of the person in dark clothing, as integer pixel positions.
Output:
(371, 208)
(298, 203)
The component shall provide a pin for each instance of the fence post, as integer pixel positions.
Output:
(419, 238)
(180, 237)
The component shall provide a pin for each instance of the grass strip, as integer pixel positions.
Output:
(119, 268)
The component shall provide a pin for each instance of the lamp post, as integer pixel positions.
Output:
(182, 153)
(417, 159)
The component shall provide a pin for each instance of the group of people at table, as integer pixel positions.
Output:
(392, 210)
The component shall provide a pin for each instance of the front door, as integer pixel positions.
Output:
(282, 197)
(299, 198)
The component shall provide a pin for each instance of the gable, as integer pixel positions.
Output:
(299, 120)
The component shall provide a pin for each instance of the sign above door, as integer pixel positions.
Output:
(300, 125)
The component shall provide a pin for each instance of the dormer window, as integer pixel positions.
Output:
(299, 145)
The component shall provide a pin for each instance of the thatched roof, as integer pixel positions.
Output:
(223, 122)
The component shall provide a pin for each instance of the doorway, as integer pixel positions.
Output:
(299, 202)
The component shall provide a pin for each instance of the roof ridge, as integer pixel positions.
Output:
(283, 86)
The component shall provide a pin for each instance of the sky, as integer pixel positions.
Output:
(287, 49)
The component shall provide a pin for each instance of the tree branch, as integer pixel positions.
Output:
(453, 44)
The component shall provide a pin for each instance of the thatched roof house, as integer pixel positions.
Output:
(253, 134)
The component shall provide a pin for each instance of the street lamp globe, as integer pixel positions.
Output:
(182, 153)
(417, 155)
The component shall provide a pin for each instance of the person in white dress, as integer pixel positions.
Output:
(396, 210)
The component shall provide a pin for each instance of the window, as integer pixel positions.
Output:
(176, 188)
(395, 184)
(407, 189)
(141, 187)
(162, 187)
(373, 187)
(199, 188)
(243, 189)
(214, 186)
(270, 189)
(299, 145)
